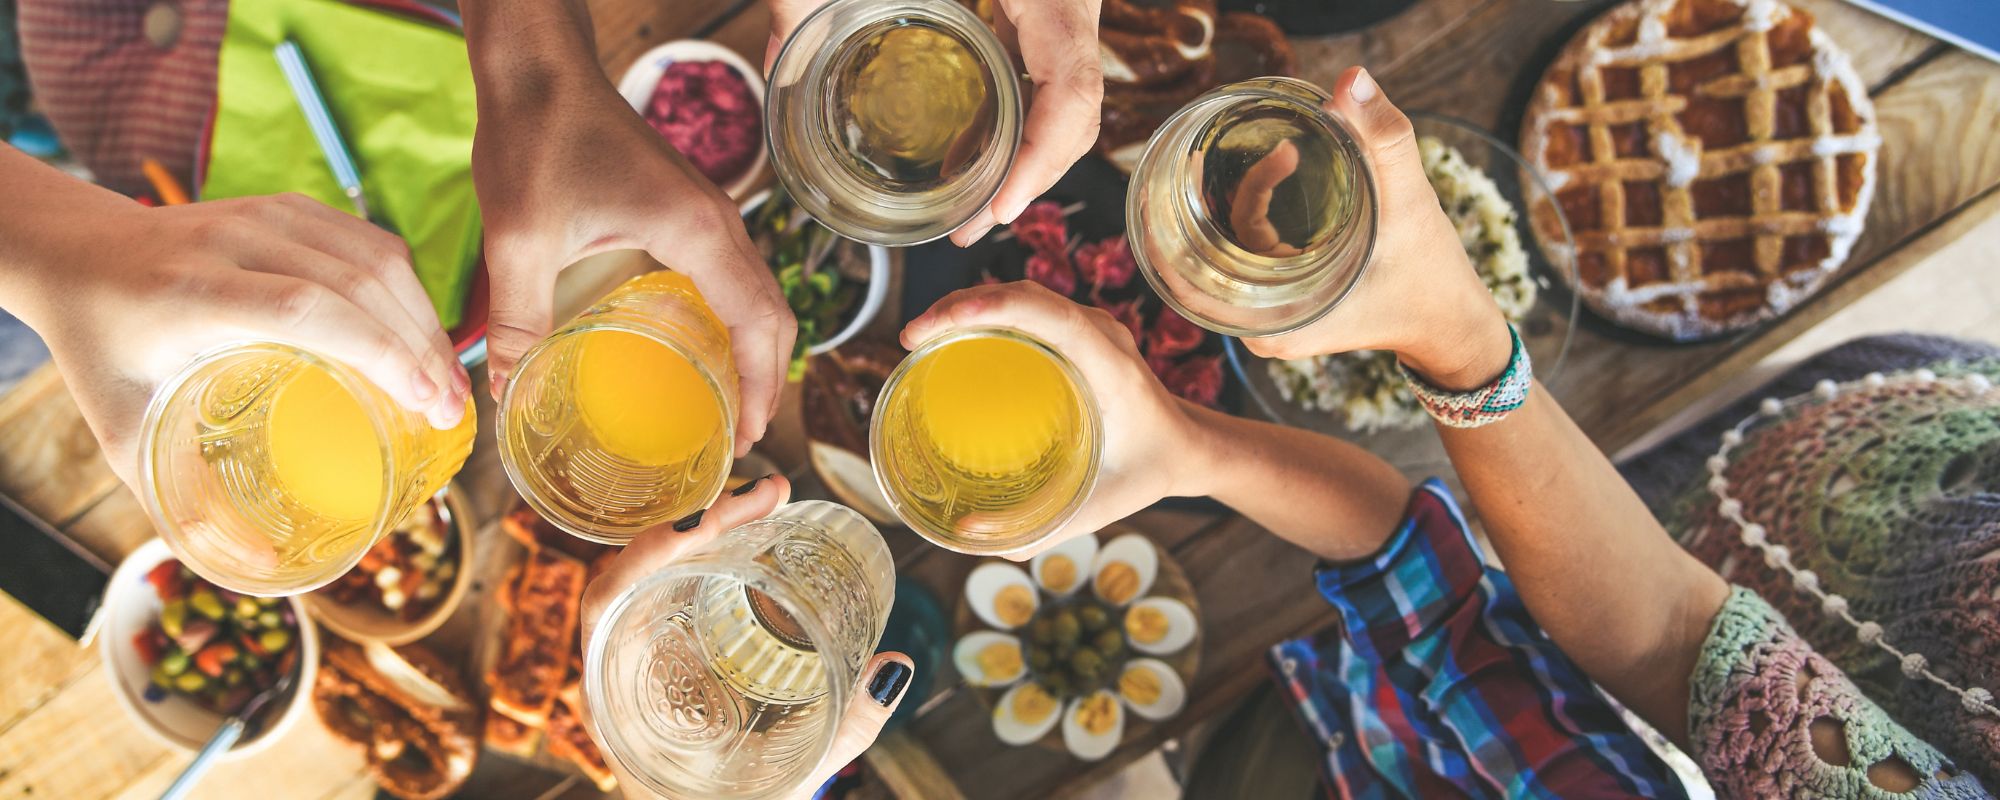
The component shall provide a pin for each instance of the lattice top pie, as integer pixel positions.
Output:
(1714, 158)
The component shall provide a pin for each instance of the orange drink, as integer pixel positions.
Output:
(270, 470)
(986, 440)
(624, 418)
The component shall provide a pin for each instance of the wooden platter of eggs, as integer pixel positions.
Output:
(1093, 641)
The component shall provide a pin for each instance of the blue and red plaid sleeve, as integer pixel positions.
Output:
(1437, 683)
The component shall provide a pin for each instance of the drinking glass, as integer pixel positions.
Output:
(893, 121)
(986, 441)
(625, 417)
(269, 469)
(726, 674)
(1252, 211)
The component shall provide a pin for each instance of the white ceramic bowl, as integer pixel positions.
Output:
(129, 606)
(368, 622)
(871, 303)
(644, 76)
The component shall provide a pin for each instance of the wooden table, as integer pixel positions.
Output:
(62, 734)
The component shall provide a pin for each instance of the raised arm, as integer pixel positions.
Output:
(125, 295)
(1324, 495)
(1597, 571)
(565, 169)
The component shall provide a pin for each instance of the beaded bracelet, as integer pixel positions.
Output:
(1482, 406)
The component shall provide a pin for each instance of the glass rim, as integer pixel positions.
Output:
(527, 482)
(1292, 92)
(1018, 542)
(154, 442)
(709, 565)
(1009, 117)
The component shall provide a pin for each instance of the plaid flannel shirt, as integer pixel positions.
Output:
(1437, 683)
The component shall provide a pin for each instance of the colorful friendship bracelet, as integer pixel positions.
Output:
(1482, 406)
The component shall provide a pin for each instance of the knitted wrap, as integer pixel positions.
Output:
(1755, 693)
(1890, 497)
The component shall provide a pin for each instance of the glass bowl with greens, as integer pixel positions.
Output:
(834, 285)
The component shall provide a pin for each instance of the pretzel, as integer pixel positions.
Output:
(1715, 160)
(388, 716)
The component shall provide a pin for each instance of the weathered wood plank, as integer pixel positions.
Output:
(38, 661)
(78, 745)
(52, 464)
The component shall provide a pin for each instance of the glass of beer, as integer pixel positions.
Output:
(986, 441)
(270, 470)
(625, 417)
(725, 674)
(1252, 210)
(893, 122)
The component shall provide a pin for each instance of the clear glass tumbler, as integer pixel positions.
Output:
(893, 121)
(625, 417)
(986, 441)
(1252, 211)
(726, 674)
(270, 470)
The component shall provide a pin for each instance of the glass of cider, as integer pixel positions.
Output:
(893, 122)
(1253, 211)
(625, 417)
(986, 441)
(725, 674)
(270, 470)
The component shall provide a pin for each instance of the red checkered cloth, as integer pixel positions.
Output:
(115, 97)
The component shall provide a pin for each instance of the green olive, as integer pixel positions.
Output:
(1093, 618)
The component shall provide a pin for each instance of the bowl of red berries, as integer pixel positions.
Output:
(184, 654)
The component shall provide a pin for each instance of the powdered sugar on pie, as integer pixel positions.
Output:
(1715, 160)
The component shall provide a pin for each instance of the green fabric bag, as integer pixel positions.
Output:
(400, 91)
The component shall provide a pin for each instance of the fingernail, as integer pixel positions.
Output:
(1363, 89)
(1013, 211)
(974, 238)
(461, 381)
(425, 389)
(688, 523)
(889, 682)
(748, 487)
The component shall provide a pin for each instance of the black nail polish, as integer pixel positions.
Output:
(748, 487)
(889, 682)
(688, 522)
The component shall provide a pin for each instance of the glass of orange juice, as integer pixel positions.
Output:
(986, 441)
(270, 470)
(624, 418)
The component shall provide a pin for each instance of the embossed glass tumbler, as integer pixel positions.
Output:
(271, 470)
(725, 675)
(623, 418)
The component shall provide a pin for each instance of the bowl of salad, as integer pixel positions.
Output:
(834, 285)
(182, 653)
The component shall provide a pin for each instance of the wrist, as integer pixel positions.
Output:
(1194, 449)
(1468, 345)
(526, 55)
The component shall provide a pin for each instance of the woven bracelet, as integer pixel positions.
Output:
(1482, 406)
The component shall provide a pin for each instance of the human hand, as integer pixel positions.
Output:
(1419, 297)
(1148, 441)
(128, 304)
(572, 171)
(656, 550)
(1057, 41)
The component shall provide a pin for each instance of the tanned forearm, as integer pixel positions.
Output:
(1325, 495)
(1596, 570)
(522, 51)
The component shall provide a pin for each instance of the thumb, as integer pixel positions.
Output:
(1385, 133)
(522, 314)
(879, 692)
(785, 17)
